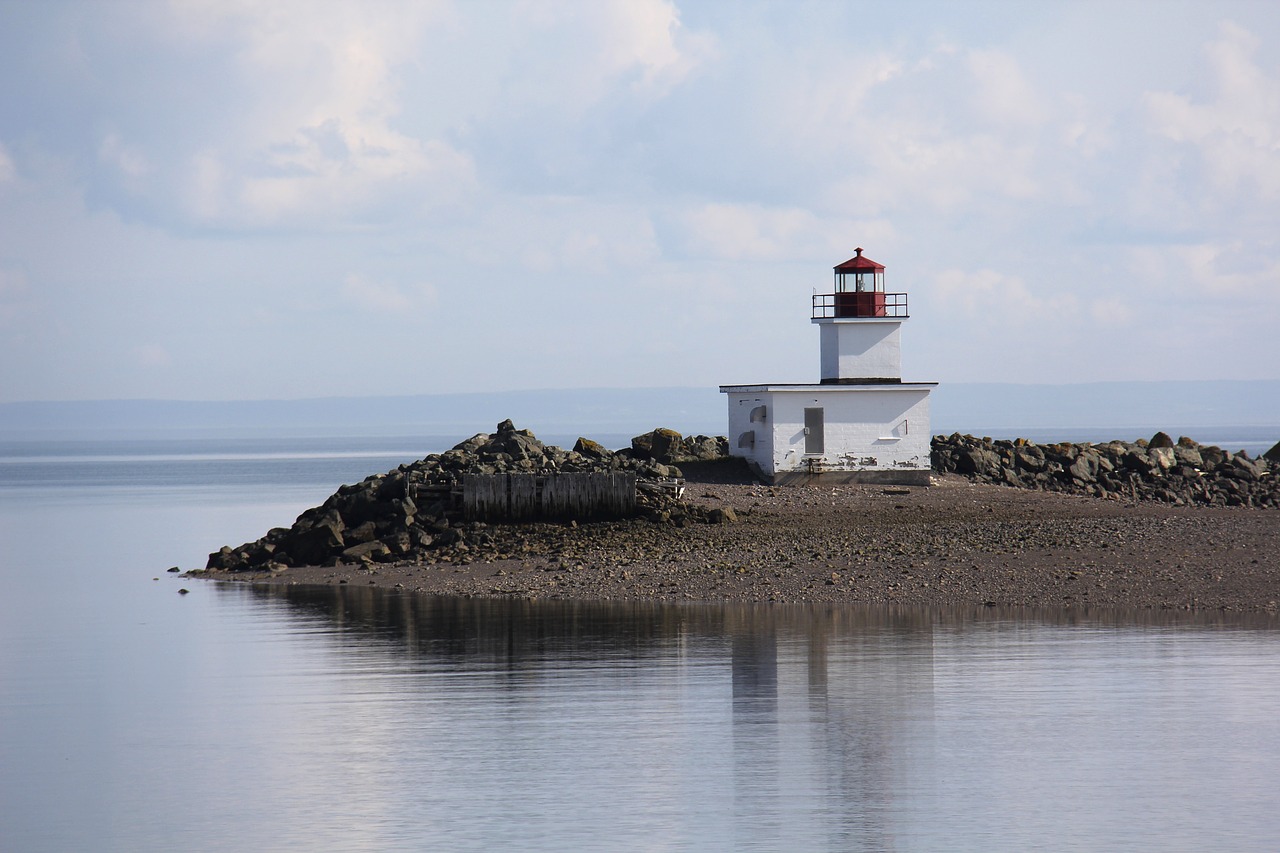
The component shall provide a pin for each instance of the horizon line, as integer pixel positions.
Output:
(595, 388)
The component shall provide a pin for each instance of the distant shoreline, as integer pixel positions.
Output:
(1075, 411)
(957, 543)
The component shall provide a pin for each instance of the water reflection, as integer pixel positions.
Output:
(518, 632)
(819, 727)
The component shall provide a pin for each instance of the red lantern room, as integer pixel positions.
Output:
(859, 292)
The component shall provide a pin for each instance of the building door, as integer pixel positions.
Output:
(813, 442)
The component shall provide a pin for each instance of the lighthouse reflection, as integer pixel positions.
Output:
(839, 694)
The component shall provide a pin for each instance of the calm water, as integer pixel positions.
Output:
(233, 718)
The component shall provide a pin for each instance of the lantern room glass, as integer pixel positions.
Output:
(863, 281)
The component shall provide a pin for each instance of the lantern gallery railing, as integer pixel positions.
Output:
(859, 304)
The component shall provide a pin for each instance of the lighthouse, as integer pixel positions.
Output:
(861, 423)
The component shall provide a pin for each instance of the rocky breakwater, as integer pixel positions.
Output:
(1181, 472)
(414, 514)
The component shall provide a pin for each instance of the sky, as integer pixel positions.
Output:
(217, 199)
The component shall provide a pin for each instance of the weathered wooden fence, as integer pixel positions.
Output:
(529, 497)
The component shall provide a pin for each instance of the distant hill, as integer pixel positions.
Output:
(1116, 409)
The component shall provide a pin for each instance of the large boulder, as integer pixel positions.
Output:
(1084, 468)
(313, 546)
(1029, 458)
(1188, 453)
(978, 461)
(1213, 455)
(372, 551)
(365, 506)
(1137, 460)
(591, 449)
(660, 445)
(1163, 456)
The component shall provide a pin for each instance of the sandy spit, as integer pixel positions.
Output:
(955, 543)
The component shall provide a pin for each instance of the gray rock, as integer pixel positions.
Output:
(398, 542)
(1139, 461)
(1247, 468)
(471, 445)
(1084, 469)
(1188, 455)
(661, 445)
(1029, 459)
(366, 550)
(1163, 457)
(591, 449)
(1213, 456)
(977, 461)
(366, 532)
(1138, 470)
(702, 448)
(311, 547)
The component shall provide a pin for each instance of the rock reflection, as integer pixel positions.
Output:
(517, 629)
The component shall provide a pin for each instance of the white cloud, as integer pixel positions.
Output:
(1237, 133)
(1084, 128)
(939, 135)
(383, 297)
(994, 299)
(127, 159)
(1001, 91)
(569, 236)
(640, 43)
(822, 103)
(647, 35)
(748, 232)
(1232, 277)
(1111, 311)
(334, 114)
(309, 101)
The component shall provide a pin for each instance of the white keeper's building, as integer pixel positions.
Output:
(861, 423)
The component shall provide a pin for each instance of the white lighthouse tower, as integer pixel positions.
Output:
(861, 423)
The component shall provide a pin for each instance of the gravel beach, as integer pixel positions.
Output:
(955, 543)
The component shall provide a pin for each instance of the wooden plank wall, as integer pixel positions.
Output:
(485, 496)
(524, 498)
(528, 497)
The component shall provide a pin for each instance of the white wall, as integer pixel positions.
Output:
(866, 428)
(860, 349)
(740, 408)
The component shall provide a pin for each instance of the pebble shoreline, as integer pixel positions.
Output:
(955, 543)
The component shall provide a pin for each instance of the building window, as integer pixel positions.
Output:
(813, 433)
